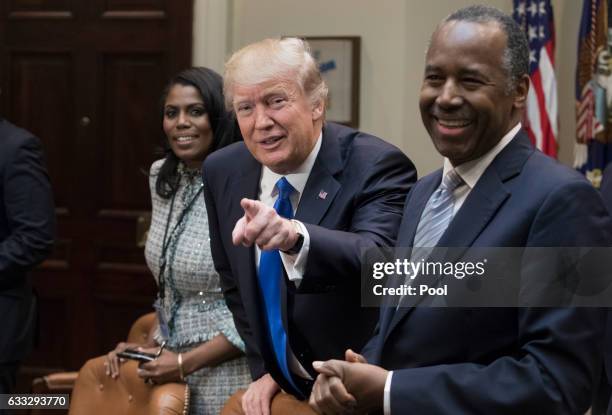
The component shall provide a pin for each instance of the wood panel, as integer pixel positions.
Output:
(40, 5)
(40, 9)
(128, 151)
(134, 5)
(55, 326)
(85, 76)
(42, 96)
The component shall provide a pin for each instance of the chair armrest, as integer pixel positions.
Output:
(55, 382)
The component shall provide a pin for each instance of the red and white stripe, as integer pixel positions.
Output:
(542, 104)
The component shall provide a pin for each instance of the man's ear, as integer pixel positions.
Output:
(520, 92)
(318, 110)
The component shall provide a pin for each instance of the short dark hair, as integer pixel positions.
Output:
(223, 124)
(516, 54)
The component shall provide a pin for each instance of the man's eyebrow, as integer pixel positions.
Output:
(472, 72)
(272, 92)
(240, 100)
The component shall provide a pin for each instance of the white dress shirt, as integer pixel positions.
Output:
(470, 172)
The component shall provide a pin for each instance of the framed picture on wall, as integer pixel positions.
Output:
(338, 58)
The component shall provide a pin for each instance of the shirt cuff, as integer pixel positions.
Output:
(387, 395)
(295, 264)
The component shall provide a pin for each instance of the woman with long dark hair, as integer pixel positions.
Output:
(194, 339)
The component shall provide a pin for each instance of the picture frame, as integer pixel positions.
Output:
(339, 60)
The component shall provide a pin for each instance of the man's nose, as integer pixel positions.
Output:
(449, 95)
(262, 119)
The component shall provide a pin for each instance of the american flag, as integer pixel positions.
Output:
(592, 150)
(540, 120)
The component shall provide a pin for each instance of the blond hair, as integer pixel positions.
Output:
(287, 59)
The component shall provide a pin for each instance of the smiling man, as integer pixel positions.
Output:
(494, 190)
(290, 211)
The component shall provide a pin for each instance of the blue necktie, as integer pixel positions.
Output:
(270, 275)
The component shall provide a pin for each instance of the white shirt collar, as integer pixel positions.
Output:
(472, 170)
(297, 178)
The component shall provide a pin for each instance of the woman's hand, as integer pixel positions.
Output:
(113, 362)
(166, 369)
(161, 370)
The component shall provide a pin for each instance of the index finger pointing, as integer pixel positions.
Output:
(251, 207)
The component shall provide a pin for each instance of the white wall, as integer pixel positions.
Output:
(394, 36)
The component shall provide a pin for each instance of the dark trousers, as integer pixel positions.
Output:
(8, 377)
(601, 397)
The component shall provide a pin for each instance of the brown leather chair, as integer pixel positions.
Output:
(95, 393)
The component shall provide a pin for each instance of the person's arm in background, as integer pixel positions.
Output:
(29, 210)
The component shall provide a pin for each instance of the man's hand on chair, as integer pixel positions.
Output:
(258, 397)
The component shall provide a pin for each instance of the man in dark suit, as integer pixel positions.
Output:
(427, 360)
(346, 192)
(27, 220)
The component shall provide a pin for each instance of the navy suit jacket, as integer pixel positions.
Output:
(27, 220)
(365, 181)
(500, 360)
(606, 193)
(606, 187)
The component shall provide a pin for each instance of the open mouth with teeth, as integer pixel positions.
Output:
(453, 123)
(185, 139)
(452, 127)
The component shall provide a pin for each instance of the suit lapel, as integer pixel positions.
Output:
(390, 316)
(321, 187)
(487, 197)
(247, 185)
(415, 202)
(415, 206)
(479, 208)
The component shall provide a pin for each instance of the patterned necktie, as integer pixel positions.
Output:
(270, 275)
(438, 212)
(435, 219)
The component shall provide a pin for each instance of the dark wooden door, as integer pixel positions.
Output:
(85, 76)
